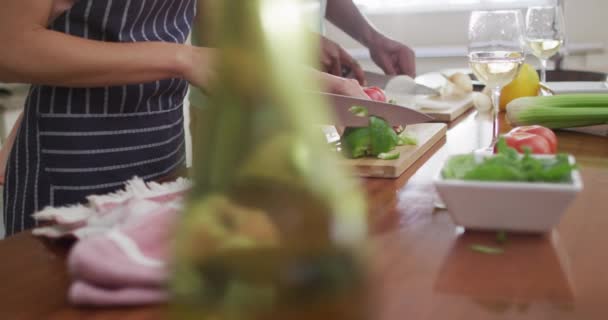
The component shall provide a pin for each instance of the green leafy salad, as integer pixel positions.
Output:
(508, 165)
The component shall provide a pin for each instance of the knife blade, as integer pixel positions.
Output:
(395, 115)
(399, 84)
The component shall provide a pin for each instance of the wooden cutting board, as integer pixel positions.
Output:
(455, 107)
(427, 133)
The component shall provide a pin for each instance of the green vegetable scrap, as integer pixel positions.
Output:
(487, 250)
(501, 237)
(407, 139)
(359, 111)
(507, 165)
(378, 139)
(389, 156)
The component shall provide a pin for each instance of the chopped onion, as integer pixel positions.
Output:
(462, 81)
(451, 90)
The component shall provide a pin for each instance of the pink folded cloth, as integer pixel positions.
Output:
(122, 253)
(81, 293)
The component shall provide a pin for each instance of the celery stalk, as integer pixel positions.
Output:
(564, 111)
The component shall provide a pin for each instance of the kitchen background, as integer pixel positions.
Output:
(436, 30)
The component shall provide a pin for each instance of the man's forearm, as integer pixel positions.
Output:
(346, 16)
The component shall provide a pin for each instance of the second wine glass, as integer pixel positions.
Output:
(496, 51)
(544, 34)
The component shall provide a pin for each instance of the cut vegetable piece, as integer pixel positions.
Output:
(355, 142)
(407, 139)
(451, 90)
(463, 81)
(382, 136)
(501, 237)
(359, 111)
(389, 156)
(487, 250)
(375, 94)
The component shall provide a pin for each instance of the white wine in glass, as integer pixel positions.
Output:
(496, 69)
(544, 34)
(496, 51)
(544, 48)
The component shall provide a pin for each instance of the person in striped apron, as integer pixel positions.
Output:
(110, 77)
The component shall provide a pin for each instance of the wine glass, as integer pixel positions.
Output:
(544, 34)
(496, 51)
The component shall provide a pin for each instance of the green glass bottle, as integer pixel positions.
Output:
(274, 226)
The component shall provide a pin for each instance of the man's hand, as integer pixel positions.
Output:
(393, 57)
(334, 59)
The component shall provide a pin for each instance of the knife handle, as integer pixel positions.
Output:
(347, 72)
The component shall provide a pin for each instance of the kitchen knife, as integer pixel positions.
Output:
(398, 84)
(395, 115)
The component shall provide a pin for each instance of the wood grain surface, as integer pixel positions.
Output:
(422, 267)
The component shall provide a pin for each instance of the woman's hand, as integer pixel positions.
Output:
(334, 58)
(343, 86)
(197, 65)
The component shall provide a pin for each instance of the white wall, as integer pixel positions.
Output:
(585, 20)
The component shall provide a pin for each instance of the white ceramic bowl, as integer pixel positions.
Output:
(508, 206)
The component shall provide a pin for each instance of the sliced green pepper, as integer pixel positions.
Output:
(355, 142)
(383, 137)
(389, 156)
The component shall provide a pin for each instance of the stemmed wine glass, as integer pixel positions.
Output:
(544, 33)
(496, 51)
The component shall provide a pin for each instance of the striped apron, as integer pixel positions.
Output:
(74, 142)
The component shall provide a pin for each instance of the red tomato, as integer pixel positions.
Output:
(375, 94)
(540, 131)
(521, 140)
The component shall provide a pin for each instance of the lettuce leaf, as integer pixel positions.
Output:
(507, 165)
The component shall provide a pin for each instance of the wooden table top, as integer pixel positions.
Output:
(424, 268)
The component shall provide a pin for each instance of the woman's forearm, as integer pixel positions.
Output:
(47, 57)
(7, 146)
(32, 54)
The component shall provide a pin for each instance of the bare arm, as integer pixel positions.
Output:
(346, 16)
(33, 54)
(393, 57)
(7, 146)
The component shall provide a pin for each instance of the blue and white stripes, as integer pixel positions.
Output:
(74, 142)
